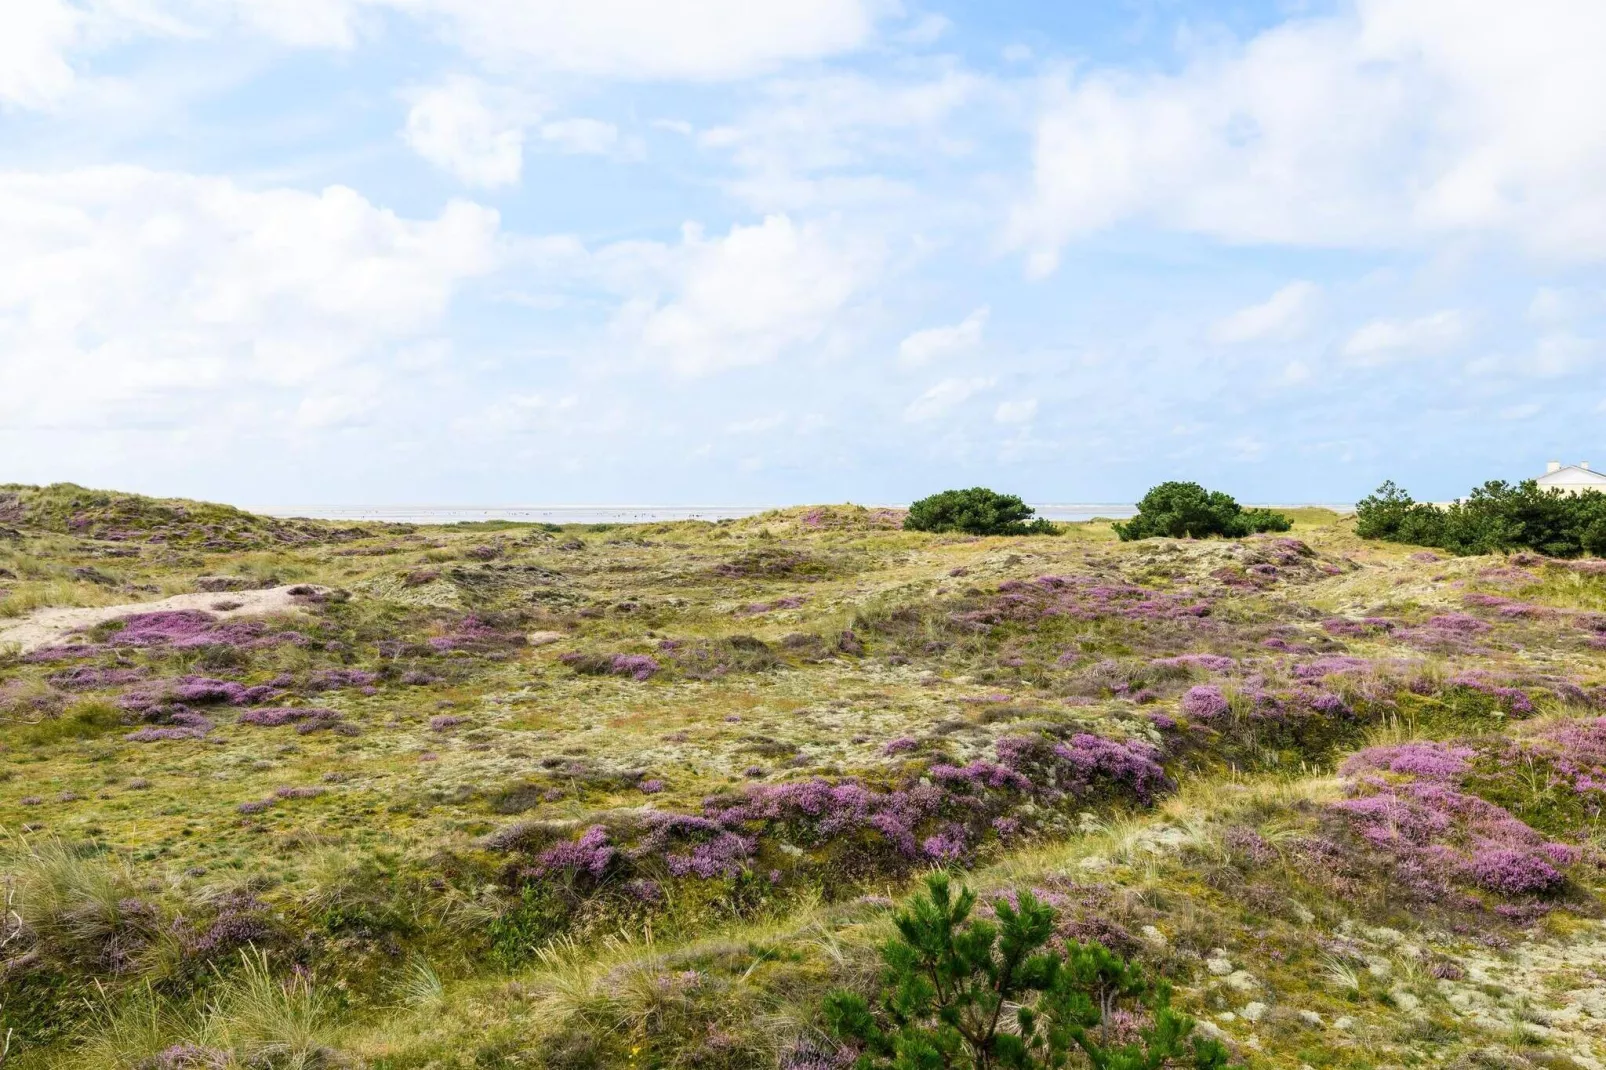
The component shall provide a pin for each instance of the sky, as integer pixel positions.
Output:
(504, 252)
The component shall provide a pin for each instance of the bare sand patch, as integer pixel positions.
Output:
(45, 627)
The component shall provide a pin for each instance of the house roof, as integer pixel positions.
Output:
(1573, 471)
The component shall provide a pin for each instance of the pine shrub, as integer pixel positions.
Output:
(969, 993)
(1188, 511)
(977, 511)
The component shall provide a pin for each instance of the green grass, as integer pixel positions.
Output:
(416, 945)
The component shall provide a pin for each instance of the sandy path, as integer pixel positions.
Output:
(44, 627)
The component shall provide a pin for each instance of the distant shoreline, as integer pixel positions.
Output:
(636, 514)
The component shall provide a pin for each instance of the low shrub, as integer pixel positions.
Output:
(1188, 511)
(977, 511)
(961, 992)
(1495, 517)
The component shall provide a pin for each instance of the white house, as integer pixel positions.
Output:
(1571, 478)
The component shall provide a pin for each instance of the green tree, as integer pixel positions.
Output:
(1495, 518)
(977, 511)
(968, 994)
(1186, 510)
(1391, 513)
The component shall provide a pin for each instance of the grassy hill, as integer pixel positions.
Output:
(641, 795)
(67, 508)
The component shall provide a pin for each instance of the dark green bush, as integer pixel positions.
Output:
(1186, 510)
(977, 511)
(1495, 517)
(970, 994)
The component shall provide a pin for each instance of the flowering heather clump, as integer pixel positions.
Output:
(980, 774)
(297, 793)
(1330, 704)
(901, 745)
(1458, 622)
(160, 629)
(589, 854)
(1509, 872)
(1203, 703)
(1437, 835)
(946, 846)
(192, 691)
(181, 724)
(271, 717)
(474, 634)
(1506, 607)
(83, 678)
(240, 921)
(1327, 666)
(650, 787)
(62, 653)
(635, 666)
(1428, 761)
(1576, 751)
(1095, 762)
(17, 697)
(1514, 699)
(445, 722)
(1249, 845)
(186, 629)
(1450, 633)
(726, 855)
(1208, 662)
(645, 891)
(1425, 555)
(1081, 598)
(1357, 629)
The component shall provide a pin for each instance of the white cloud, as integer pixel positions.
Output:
(1016, 412)
(1280, 318)
(922, 347)
(454, 127)
(742, 299)
(943, 397)
(581, 136)
(325, 408)
(756, 425)
(1560, 353)
(130, 296)
(523, 414)
(34, 38)
(698, 40)
(1381, 126)
(650, 39)
(1383, 340)
(301, 23)
(810, 141)
(1552, 306)
(926, 30)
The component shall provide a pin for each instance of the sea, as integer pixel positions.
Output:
(600, 514)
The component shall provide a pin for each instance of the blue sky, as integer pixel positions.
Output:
(713, 251)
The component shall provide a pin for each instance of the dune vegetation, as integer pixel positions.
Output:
(502, 795)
